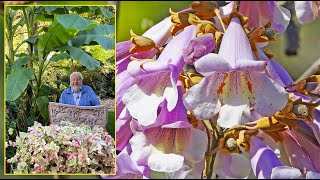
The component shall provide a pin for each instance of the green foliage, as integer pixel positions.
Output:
(74, 21)
(42, 104)
(55, 37)
(97, 34)
(17, 82)
(58, 57)
(21, 61)
(81, 56)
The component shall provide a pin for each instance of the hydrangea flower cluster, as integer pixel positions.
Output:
(67, 148)
(199, 96)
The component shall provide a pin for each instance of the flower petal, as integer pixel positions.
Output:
(160, 32)
(198, 47)
(316, 124)
(311, 149)
(126, 168)
(140, 69)
(202, 98)
(174, 50)
(141, 149)
(165, 162)
(263, 159)
(245, 65)
(281, 18)
(260, 13)
(235, 44)
(304, 11)
(276, 71)
(231, 115)
(197, 139)
(231, 165)
(122, 64)
(211, 63)
(180, 174)
(136, 100)
(312, 175)
(123, 130)
(285, 172)
(177, 118)
(268, 97)
(122, 87)
(297, 156)
(122, 49)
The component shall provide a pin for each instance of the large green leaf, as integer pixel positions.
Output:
(97, 34)
(81, 56)
(74, 21)
(21, 61)
(17, 82)
(58, 57)
(56, 36)
(42, 103)
(106, 12)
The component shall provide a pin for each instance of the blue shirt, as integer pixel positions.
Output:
(88, 97)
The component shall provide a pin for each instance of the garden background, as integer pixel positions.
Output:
(139, 16)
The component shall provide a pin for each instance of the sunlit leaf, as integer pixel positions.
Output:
(97, 34)
(81, 56)
(56, 36)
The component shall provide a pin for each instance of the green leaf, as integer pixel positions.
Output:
(74, 21)
(30, 120)
(21, 61)
(51, 9)
(17, 82)
(32, 40)
(92, 8)
(44, 17)
(97, 34)
(58, 57)
(106, 12)
(56, 36)
(81, 56)
(42, 103)
(46, 89)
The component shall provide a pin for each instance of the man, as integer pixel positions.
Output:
(78, 94)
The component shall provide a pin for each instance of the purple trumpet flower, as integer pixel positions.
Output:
(127, 169)
(157, 81)
(261, 12)
(307, 11)
(234, 81)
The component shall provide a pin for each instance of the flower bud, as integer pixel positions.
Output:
(198, 47)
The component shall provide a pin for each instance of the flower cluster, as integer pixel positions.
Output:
(67, 148)
(199, 96)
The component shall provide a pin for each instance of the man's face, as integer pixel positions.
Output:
(75, 83)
